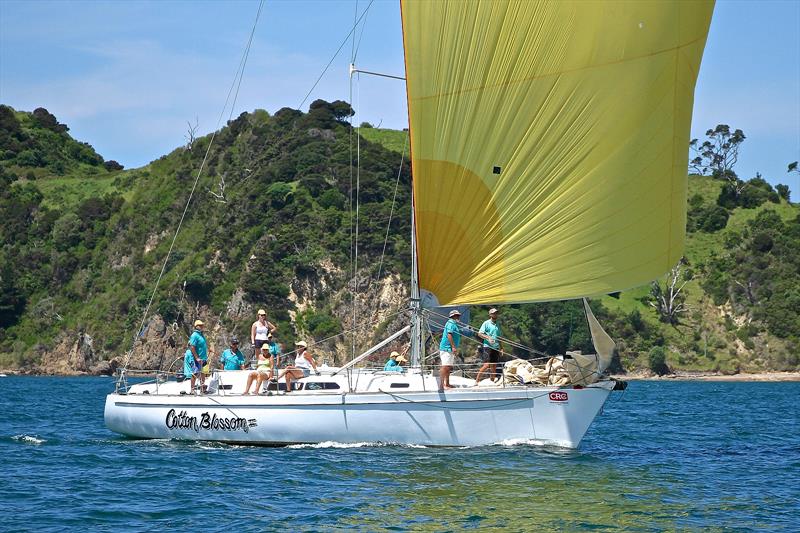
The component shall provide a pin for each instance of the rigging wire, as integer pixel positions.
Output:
(239, 74)
(391, 210)
(335, 55)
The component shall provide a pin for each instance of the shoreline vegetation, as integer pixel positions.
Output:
(632, 376)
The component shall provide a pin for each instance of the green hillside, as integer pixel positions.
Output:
(83, 242)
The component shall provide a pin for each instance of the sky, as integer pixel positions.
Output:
(127, 76)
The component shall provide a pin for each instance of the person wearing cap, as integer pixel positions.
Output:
(303, 364)
(263, 372)
(394, 364)
(490, 351)
(451, 338)
(233, 358)
(260, 330)
(196, 355)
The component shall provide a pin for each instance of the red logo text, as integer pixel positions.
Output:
(558, 396)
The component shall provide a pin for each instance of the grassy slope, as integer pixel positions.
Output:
(393, 140)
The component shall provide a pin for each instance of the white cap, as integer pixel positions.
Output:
(454, 312)
(301, 343)
(493, 310)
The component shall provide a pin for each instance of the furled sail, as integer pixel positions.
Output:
(549, 143)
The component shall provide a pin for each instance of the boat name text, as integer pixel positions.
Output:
(207, 421)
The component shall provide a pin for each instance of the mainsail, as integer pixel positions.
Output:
(549, 143)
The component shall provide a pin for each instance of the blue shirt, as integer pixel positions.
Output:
(392, 366)
(200, 346)
(274, 348)
(493, 330)
(452, 328)
(232, 360)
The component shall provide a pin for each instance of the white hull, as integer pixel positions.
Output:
(460, 417)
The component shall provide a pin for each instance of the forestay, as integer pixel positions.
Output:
(549, 143)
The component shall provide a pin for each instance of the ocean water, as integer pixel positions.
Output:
(662, 456)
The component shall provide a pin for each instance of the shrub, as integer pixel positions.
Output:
(657, 360)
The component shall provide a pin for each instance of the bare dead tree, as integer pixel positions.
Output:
(669, 301)
(191, 134)
(219, 197)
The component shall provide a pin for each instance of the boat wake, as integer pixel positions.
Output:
(334, 444)
(28, 439)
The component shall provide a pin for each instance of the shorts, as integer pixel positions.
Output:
(262, 370)
(306, 372)
(490, 355)
(258, 343)
(190, 367)
(206, 368)
(448, 359)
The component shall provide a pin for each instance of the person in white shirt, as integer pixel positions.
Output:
(304, 363)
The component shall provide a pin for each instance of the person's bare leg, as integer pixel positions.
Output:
(193, 380)
(444, 377)
(250, 378)
(492, 371)
(480, 372)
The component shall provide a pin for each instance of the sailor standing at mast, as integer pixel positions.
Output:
(490, 333)
(451, 338)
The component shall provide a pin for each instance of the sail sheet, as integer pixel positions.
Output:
(549, 143)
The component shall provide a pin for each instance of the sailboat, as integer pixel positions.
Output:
(549, 155)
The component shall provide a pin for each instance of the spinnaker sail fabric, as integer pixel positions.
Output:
(549, 143)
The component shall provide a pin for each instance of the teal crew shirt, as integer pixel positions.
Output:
(200, 346)
(232, 360)
(493, 330)
(274, 348)
(450, 327)
(392, 366)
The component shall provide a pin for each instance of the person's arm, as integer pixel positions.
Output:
(482, 333)
(271, 327)
(253, 334)
(310, 359)
(452, 342)
(194, 350)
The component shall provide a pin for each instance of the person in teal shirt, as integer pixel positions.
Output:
(451, 338)
(490, 333)
(394, 364)
(196, 355)
(232, 358)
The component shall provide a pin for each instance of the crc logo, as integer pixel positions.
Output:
(558, 396)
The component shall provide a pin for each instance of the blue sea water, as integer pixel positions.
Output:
(662, 456)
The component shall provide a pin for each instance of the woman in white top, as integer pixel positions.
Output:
(303, 364)
(260, 330)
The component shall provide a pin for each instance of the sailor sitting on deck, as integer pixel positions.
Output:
(232, 358)
(303, 364)
(263, 372)
(394, 363)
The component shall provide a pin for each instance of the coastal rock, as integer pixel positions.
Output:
(103, 368)
(69, 356)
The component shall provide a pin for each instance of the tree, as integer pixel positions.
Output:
(191, 134)
(783, 191)
(719, 153)
(657, 360)
(112, 165)
(669, 300)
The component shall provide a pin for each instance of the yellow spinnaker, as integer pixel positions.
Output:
(549, 143)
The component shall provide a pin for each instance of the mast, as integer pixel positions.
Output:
(416, 309)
